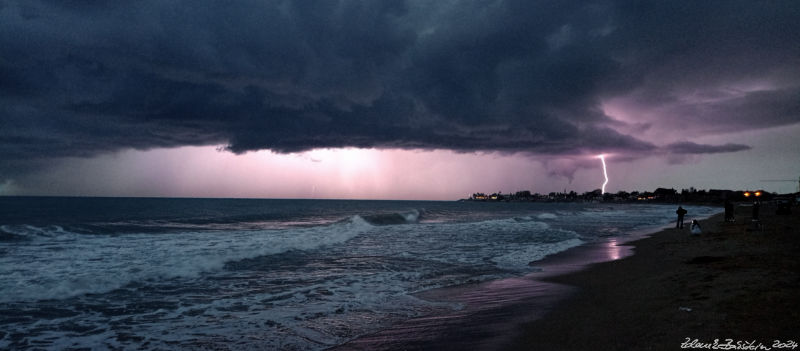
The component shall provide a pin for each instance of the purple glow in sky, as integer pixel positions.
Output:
(400, 174)
(406, 99)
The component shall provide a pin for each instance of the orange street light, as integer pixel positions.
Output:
(746, 194)
(758, 193)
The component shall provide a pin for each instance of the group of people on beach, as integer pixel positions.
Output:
(729, 216)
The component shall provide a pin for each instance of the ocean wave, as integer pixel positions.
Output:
(410, 217)
(25, 231)
(516, 224)
(79, 264)
(520, 259)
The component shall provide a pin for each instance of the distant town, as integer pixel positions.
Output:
(665, 195)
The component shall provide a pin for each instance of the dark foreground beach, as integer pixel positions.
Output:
(734, 281)
(679, 291)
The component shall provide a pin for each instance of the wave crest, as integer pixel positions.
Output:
(78, 264)
(410, 217)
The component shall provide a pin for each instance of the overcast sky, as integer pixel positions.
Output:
(396, 99)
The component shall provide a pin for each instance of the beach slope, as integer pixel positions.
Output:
(734, 281)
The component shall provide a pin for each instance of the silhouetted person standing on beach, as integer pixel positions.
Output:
(756, 207)
(729, 211)
(681, 212)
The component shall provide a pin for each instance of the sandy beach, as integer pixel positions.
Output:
(731, 282)
(665, 291)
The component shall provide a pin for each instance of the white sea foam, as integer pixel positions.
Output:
(30, 232)
(412, 216)
(519, 259)
(297, 287)
(76, 264)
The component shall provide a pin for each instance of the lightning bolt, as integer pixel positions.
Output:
(605, 173)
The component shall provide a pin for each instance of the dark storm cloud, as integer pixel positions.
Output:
(686, 147)
(79, 77)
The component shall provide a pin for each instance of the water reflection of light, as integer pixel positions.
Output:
(614, 251)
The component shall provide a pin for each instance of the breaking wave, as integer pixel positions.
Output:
(412, 216)
(78, 264)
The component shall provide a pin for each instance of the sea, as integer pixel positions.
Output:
(259, 274)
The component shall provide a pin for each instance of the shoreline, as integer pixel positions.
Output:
(494, 311)
(734, 281)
